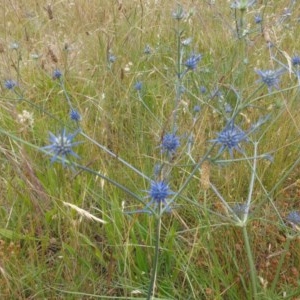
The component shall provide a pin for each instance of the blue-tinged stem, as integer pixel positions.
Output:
(253, 274)
(252, 267)
(224, 202)
(115, 156)
(251, 185)
(179, 77)
(241, 23)
(61, 82)
(151, 289)
(187, 181)
(113, 182)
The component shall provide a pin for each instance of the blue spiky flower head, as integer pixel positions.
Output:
(75, 115)
(242, 4)
(179, 13)
(138, 86)
(202, 89)
(159, 191)
(10, 84)
(112, 58)
(240, 209)
(147, 49)
(270, 78)
(293, 218)
(61, 146)
(192, 62)
(197, 108)
(170, 143)
(257, 19)
(230, 138)
(56, 74)
(295, 60)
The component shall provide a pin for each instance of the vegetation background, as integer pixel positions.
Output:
(50, 249)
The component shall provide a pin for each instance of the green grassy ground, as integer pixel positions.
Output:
(49, 250)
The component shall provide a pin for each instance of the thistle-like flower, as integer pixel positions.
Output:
(186, 42)
(295, 60)
(170, 143)
(61, 146)
(197, 108)
(202, 89)
(242, 4)
(227, 108)
(138, 86)
(56, 74)
(75, 115)
(260, 122)
(158, 193)
(179, 13)
(230, 138)
(147, 50)
(240, 209)
(270, 78)
(257, 19)
(10, 84)
(192, 62)
(111, 58)
(293, 218)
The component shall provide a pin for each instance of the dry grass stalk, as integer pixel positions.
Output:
(49, 11)
(52, 55)
(205, 176)
(84, 213)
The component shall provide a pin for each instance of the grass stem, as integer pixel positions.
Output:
(279, 267)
